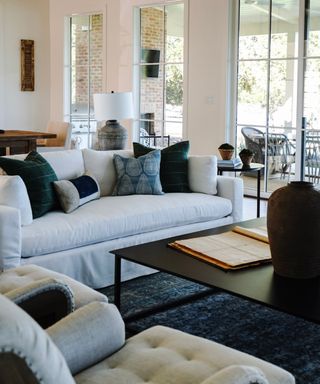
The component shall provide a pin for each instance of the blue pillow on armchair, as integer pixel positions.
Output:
(138, 176)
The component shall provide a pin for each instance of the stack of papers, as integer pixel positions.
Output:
(239, 248)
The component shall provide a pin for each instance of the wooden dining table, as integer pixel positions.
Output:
(14, 142)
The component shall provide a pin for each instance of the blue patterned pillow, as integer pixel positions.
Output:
(138, 176)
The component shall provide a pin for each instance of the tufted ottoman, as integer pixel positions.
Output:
(162, 355)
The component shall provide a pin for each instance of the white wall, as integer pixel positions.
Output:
(207, 62)
(207, 68)
(207, 77)
(21, 19)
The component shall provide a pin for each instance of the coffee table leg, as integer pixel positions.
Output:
(117, 281)
(258, 192)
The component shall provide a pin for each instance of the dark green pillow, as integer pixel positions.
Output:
(173, 166)
(38, 177)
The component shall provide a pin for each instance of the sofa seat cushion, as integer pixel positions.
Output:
(114, 217)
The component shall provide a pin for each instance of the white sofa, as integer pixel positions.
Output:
(78, 244)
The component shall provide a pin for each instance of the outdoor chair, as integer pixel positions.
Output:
(152, 140)
(312, 157)
(280, 151)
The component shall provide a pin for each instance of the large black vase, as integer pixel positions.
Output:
(293, 222)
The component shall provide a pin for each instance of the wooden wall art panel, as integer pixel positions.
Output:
(27, 65)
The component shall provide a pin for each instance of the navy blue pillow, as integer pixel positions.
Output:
(76, 192)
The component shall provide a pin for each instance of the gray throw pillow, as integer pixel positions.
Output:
(138, 176)
(76, 192)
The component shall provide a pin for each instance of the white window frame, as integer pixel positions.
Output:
(137, 64)
(232, 85)
(87, 138)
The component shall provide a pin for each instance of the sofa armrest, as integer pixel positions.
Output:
(202, 173)
(88, 335)
(46, 301)
(232, 188)
(10, 237)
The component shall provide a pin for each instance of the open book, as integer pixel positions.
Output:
(239, 248)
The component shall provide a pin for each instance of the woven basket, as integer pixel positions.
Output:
(226, 154)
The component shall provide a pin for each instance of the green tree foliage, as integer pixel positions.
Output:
(174, 74)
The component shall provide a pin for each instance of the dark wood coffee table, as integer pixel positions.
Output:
(259, 284)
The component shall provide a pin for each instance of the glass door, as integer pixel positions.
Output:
(311, 96)
(267, 87)
(83, 73)
(278, 93)
(159, 73)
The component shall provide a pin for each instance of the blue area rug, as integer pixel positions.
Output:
(287, 341)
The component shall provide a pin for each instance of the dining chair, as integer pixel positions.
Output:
(63, 131)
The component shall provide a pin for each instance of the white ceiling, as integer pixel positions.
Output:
(285, 10)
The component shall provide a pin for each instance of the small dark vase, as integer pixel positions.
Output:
(246, 160)
(293, 222)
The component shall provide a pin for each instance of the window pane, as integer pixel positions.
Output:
(152, 34)
(151, 93)
(80, 90)
(174, 92)
(252, 90)
(285, 27)
(151, 132)
(80, 124)
(174, 33)
(282, 101)
(95, 84)
(174, 130)
(80, 27)
(313, 43)
(254, 28)
(95, 56)
(312, 93)
(161, 54)
(86, 74)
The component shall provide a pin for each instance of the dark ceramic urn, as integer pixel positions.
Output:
(293, 222)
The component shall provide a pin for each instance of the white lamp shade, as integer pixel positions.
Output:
(113, 106)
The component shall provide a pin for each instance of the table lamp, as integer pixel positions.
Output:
(111, 107)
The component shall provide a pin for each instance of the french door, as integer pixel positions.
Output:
(83, 73)
(278, 88)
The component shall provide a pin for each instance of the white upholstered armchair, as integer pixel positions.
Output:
(88, 346)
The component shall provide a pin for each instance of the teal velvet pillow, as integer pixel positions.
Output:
(173, 166)
(38, 177)
(138, 176)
